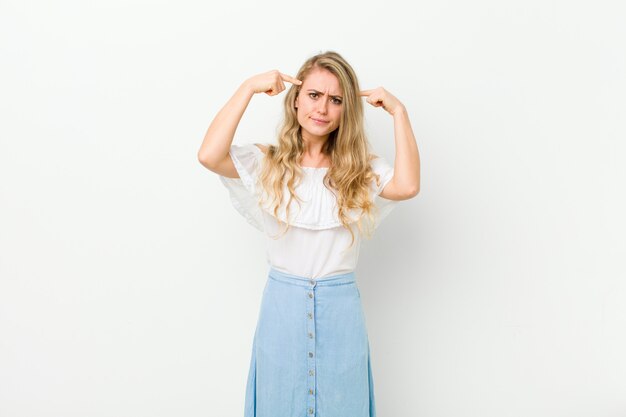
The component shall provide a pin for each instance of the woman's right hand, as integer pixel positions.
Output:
(271, 82)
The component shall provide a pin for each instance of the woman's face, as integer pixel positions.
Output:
(319, 104)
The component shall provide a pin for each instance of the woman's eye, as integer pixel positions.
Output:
(334, 100)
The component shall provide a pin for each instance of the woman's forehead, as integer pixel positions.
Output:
(323, 81)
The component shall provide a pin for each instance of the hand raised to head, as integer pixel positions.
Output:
(271, 82)
(379, 97)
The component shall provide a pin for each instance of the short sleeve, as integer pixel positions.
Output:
(243, 190)
(384, 206)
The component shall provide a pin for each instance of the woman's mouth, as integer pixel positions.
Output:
(319, 121)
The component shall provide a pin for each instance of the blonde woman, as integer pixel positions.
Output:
(314, 194)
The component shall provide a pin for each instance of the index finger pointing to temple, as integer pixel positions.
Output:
(365, 92)
(290, 79)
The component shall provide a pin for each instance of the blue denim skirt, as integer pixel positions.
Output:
(310, 352)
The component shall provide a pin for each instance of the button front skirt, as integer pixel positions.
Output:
(310, 353)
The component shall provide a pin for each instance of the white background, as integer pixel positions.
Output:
(129, 285)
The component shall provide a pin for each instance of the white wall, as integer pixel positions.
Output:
(129, 285)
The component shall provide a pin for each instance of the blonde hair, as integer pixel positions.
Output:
(350, 174)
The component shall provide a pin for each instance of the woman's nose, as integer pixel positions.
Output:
(322, 106)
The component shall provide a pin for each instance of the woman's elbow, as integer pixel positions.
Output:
(413, 191)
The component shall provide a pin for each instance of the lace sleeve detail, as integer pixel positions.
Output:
(243, 190)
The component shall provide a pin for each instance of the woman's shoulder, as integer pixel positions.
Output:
(262, 147)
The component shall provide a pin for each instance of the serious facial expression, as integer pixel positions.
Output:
(319, 104)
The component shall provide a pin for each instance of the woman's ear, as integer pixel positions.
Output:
(296, 103)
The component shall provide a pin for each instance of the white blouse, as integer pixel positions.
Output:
(316, 244)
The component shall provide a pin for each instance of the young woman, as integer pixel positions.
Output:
(314, 194)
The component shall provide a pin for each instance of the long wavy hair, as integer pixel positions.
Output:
(350, 174)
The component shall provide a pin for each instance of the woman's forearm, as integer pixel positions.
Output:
(407, 159)
(219, 136)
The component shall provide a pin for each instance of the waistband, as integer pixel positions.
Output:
(340, 279)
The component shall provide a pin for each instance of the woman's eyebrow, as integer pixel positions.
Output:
(319, 92)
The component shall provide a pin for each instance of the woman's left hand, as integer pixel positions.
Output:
(379, 97)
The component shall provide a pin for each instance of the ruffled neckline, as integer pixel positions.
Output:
(318, 209)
